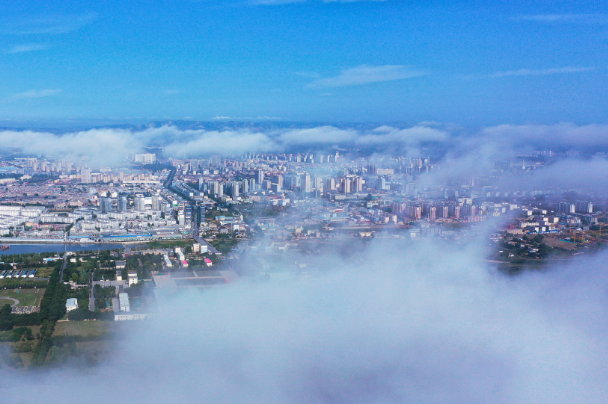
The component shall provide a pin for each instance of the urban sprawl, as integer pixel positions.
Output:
(175, 224)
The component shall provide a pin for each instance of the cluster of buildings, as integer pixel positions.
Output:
(359, 197)
(68, 170)
(109, 212)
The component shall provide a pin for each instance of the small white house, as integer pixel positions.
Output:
(71, 304)
(133, 278)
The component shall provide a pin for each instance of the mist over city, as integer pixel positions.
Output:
(368, 201)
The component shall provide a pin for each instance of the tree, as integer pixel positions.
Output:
(544, 250)
(5, 318)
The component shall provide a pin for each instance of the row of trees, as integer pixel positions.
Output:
(26, 259)
(52, 308)
(23, 283)
(81, 314)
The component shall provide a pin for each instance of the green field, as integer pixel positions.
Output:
(44, 271)
(169, 243)
(26, 297)
(83, 328)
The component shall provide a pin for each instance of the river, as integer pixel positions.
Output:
(40, 248)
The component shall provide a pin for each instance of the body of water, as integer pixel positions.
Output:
(57, 248)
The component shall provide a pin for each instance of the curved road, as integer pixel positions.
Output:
(10, 298)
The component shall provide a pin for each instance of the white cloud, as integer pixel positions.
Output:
(225, 142)
(542, 72)
(100, 146)
(319, 135)
(46, 24)
(109, 146)
(367, 74)
(36, 94)
(566, 18)
(408, 136)
(396, 323)
(558, 135)
(32, 47)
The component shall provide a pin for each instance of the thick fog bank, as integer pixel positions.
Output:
(101, 147)
(425, 323)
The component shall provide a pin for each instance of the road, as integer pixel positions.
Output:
(198, 239)
(65, 263)
(10, 298)
(91, 297)
(201, 240)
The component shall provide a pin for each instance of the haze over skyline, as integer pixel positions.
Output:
(474, 63)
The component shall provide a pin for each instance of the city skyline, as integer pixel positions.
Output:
(304, 201)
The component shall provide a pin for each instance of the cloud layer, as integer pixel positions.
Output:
(35, 94)
(31, 47)
(364, 74)
(421, 326)
(558, 135)
(566, 18)
(110, 145)
(542, 72)
(46, 24)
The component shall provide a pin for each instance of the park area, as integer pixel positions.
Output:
(24, 297)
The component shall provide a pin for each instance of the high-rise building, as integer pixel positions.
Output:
(155, 202)
(122, 204)
(233, 189)
(85, 176)
(346, 185)
(215, 161)
(214, 187)
(414, 211)
(140, 203)
(307, 183)
(145, 158)
(259, 176)
(292, 181)
(277, 179)
(105, 204)
(358, 184)
(585, 207)
(566, 207)
(455, 211)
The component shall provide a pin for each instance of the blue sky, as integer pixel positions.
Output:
(468, 62)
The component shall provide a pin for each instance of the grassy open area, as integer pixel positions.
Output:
(170, 243)
(26, 297)
(224, 245)
(44, 271)
(83, 328)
